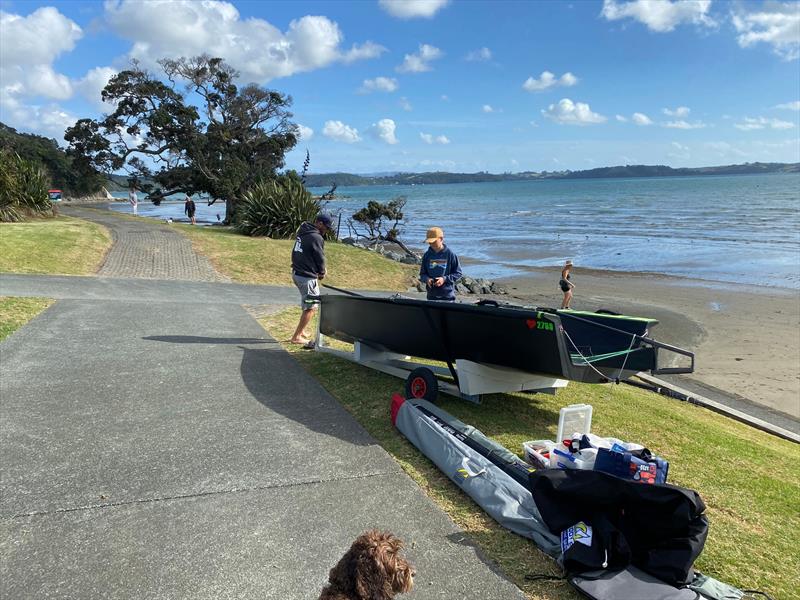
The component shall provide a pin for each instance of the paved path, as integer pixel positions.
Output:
(147, 249)
(156, 443)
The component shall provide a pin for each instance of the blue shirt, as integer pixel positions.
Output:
(440, 264)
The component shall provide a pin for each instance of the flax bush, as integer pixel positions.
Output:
(23, 188)
(275, 208)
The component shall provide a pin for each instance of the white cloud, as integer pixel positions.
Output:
(36, 39)
(431, 139)
(447, 164)
(405, 104)
(789, 105)
(336, 130)
(748, 124)
(621, 119)
(681, 124)
(259, 50)
(567, 112)
(660, 15)
(772, 23)
(92, 84)
(681, 112)
(487, 108)
(28, 47)
(680, 151)
(379, 84)
(410, 9)
(641, 119)
(480, 55)
(418, 63)
(384, 130)
(305, 133)
(548, 80)
(50, 120)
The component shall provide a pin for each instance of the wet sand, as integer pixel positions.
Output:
(746, 338)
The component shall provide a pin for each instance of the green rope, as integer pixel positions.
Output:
(598, 357)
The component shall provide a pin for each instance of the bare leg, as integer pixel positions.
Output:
(305, 319)
(567, 299)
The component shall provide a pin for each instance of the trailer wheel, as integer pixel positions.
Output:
(422, 383)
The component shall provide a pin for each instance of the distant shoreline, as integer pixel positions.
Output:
(617, 172)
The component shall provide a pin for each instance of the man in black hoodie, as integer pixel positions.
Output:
(308, 267)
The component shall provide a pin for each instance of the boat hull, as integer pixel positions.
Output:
(527, 339)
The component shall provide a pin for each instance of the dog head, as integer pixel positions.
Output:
(372, 568)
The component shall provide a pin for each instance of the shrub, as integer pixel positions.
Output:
(23, 188)
(275, 208)
(380, 221)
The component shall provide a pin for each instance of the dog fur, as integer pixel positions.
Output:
(370, 570)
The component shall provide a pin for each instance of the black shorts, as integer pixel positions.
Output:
(565, 287)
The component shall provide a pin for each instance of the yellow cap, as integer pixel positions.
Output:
(433, 234)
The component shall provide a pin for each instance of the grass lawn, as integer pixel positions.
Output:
(748, 479)
(267, 261)
(59, 245)
(15, 312)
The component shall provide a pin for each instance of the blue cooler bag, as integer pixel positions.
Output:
(645, 468)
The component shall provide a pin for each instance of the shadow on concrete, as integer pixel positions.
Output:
(196, 339)
(278, 382)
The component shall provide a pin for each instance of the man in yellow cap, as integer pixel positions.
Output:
(440, 269)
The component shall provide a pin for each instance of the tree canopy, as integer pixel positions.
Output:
(193, 131)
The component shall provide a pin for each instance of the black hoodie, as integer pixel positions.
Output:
(308, 255)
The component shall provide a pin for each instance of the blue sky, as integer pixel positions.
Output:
(422, 85)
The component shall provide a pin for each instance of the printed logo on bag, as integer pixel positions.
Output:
(644, 473)
(580, 532)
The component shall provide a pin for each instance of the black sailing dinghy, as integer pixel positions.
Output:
(592, 347)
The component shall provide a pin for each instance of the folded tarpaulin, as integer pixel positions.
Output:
(663, 525)
(500, 495)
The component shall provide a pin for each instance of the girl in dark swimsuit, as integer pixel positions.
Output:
(566, 285)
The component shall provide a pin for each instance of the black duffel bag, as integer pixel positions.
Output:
(663, 525)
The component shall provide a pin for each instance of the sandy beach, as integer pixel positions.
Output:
(746, 338)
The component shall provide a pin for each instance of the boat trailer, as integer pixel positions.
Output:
(470, 379)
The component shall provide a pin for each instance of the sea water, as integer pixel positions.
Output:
(738, 228)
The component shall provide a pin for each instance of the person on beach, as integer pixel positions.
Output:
(308, 267)
(440, 269)
(133, 199)
(189, 208)
(566, 285)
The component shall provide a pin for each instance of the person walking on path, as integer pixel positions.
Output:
(308, 267)
(566, 285)
(189, 208)
(133, 199)
(440, 269)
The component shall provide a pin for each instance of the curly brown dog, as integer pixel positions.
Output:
(370, 570)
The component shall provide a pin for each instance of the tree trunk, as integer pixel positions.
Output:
(228, 211)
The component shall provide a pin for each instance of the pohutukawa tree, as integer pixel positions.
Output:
(193, 131)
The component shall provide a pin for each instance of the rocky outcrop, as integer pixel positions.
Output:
(102, 195)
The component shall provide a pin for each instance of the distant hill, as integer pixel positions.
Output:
(46, 152)
(349, 179)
